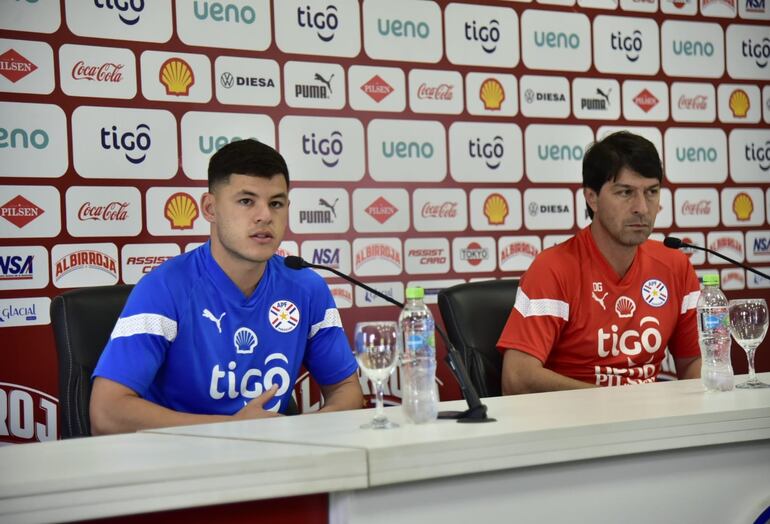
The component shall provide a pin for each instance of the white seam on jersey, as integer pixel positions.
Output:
(541, 307)
(690, 301)
(145, 324)
(331, 319)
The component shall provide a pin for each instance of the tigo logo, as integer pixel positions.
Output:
(318, 28)
(135, 143)
(135, 20)
(181, 210)
(749, 155)
(128, 11)
(483, 152)
(749, 50)
(626, 45)
(481, 35)
(322, 22)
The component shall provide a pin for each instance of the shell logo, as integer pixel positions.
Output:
(492, 94)
(743, 206)
(181, 210)
(625, 307)
(739, 103)
(495, 209)
(177, 76)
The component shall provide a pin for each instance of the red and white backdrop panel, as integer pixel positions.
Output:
(429, 143)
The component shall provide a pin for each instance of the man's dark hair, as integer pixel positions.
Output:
(604, 160)
(246, 157)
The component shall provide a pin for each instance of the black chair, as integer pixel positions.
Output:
(82, 322)
(474, 315)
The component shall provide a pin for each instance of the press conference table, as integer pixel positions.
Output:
(654, 452)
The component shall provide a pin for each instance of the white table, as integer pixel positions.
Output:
(146, 472)
(653, 452)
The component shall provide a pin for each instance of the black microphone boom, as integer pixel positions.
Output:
(476, 412)
(676, 243)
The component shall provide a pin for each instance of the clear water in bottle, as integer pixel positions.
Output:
(714, 336)
(418, 369)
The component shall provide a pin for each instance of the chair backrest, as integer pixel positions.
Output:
(82, 322)
(474, 315)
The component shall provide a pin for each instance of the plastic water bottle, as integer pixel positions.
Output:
(714, 336)
(418, 368)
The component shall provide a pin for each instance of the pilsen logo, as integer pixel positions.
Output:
(727, 243)
(181, 210)
(693, 103)
(439, 92)
(378, 252)
(377, 88)
(19, 211)
(646, 100)
(112, 212)
(381, 210)
(701, 207)
(14, 67)
(177, 77)
(107, 72)
(443, 210)
(492, 94)
(86, 259)
(518, 248)
(743, 206)
(739, 103)
(495, 209)
(474, 254)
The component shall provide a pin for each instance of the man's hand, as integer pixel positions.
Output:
(255, 408)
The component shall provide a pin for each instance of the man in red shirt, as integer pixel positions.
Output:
(601, 308)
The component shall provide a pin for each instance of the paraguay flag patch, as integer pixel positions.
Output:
(284, 316)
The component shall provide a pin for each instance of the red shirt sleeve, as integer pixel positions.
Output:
(684, 339)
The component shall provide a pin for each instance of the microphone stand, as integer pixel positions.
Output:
(676, 243)
(477, 411)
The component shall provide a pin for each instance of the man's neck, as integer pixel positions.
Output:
(244, 273)
(618, 256)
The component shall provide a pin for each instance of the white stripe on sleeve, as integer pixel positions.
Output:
(689, 301)
(331, 319)
(541, 307)
(145, 324)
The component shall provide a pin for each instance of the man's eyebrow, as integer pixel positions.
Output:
(620, 185)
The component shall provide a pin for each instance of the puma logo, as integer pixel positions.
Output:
(327, 83)
(600, 300)
(209, 315)
(324, 203)
(603, 95)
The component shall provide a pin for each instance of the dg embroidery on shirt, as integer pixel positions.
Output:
(283, 316)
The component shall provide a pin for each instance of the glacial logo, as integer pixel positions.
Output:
(491, 152)
(329, 149)
(129, 11)
(229, 13)
(324, 22)
(487, 35)
(631, 45)
(128, 141)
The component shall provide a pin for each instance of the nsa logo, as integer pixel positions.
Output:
(284, 316)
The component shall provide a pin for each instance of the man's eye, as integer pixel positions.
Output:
(245, 201)
(277, 204)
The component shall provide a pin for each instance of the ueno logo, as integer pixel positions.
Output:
(227, 13)
(631, 342)
(208, 144)
(329, 149)
(129, 11)
(403, 28)
(128, 141)
(556, 40)
(693, 48)
(23, 139)
(487, 35)
(325, 22)
(630, 45)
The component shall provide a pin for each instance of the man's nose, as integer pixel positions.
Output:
(640, 204)
(261, 213)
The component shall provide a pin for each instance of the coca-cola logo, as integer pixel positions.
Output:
(693, 103)
(114, 211)
(443, 210)
(107, 72)
(439, 92)
(701, 207)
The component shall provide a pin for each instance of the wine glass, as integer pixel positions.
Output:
(378, 347)
(748, 324)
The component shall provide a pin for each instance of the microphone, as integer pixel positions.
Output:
(676, 243)
(476, 412)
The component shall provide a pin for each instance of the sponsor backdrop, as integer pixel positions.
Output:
(428, 142)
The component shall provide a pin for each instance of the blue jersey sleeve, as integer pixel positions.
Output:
(144, 331)
(328, 357)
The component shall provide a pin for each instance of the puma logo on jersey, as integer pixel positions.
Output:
(216, 320)
(600, 300)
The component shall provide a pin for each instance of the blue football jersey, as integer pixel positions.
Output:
(189, 340)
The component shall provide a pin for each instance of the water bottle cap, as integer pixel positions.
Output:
(413, 293)
(711, 279)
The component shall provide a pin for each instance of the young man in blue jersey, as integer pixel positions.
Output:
(219, 333)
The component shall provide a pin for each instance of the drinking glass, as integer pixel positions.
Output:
(748, 324)
(378, 347)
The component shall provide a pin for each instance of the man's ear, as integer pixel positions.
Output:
(208, 206)
(591, 198)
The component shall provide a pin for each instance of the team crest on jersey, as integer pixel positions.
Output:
(284, 316)
(245, 340)
(655, 293)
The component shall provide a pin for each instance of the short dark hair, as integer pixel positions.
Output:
(246, 157)
(604, 160)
